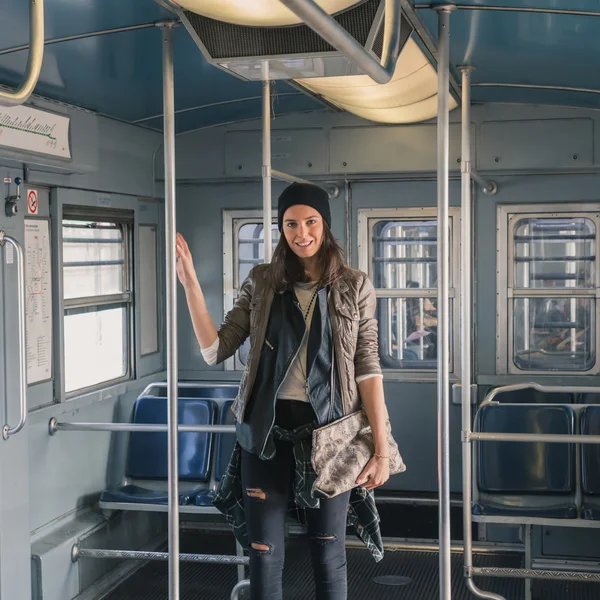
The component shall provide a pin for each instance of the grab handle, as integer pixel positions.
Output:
(7, 430)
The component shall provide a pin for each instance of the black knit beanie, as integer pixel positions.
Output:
(307, 194)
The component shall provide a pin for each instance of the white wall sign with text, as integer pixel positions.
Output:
(33, 130)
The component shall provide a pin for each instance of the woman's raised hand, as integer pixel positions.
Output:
(185, 264)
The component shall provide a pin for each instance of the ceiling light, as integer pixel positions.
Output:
(259, 13)
(409, 97)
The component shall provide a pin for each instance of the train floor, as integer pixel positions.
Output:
(399, 576)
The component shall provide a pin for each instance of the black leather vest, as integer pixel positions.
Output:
(285, 330)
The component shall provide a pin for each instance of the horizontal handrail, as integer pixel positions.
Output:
(558, 438)
(54, 426)
(535, 574)
(334, 34)
(488, 186)
(77, 552)
(514, 387)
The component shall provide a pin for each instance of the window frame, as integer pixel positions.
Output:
(125, 299)
(367, 219)
(233, 221)
(506, 293)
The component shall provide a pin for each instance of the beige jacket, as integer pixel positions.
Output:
(352, 306)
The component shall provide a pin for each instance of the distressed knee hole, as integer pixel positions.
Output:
(324, 539)
(262, 548)
(256, 493)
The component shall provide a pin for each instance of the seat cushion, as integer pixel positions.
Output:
(561, 511)
(204, 498)
(139, 495)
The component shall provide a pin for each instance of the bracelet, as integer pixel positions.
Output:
(380, 455)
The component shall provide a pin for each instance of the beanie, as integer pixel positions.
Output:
(307, 194)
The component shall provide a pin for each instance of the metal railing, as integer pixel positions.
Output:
(528, 574)
(35, 59)
(7, 430)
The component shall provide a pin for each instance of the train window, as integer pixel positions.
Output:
(551, 281)
(400, 255)
(97, 301)
(244, 249)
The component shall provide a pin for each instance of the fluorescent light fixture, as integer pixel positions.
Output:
(410, 96)
(258, 13)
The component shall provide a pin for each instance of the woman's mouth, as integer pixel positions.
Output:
(304, 244)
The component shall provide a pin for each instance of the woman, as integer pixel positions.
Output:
(313, 358)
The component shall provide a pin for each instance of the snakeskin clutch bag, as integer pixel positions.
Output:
(342, 449)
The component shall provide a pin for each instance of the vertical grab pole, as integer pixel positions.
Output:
(7, 430)
(172, 376)
(443, 308)
(266, 161)
(466, 359)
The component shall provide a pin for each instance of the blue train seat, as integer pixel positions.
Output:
(147, 452)
(590, 465)
(526, 479)
(189, 389)
(533, 396)
(588, 399)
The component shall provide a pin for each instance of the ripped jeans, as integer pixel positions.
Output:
(267, 488)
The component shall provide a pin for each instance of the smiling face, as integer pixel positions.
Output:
(303, 230)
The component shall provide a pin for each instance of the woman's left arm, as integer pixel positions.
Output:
(377, 470)
(370, 387)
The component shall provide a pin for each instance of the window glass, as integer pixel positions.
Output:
(93, 259)
(404, 254)
(407, 332)
(554, 253)
(96, 348)
(554, 334)
(251, 250)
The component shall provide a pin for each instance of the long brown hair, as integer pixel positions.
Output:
(287, 268)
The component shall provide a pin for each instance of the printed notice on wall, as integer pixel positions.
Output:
(34, 130)
(38, 300)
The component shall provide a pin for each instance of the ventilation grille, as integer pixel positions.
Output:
(405, 32)
(224, 40)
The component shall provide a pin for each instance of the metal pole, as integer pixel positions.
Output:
(35, 59)
(54, 426)
(333, 33)
(443, 308)
(7, 430)
(466, 357)
(466, 262)
(171, 293)
(215, 559)
(266, 160)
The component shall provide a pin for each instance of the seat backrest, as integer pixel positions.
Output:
(147, 452)
(533, 396)
(194, 390)
(526, 467)
(225, 441)
(590, 453)
(588, 398)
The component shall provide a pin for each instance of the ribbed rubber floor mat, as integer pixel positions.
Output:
(204, 582)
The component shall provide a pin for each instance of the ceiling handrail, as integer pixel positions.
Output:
(34, 61)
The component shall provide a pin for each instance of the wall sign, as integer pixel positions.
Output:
(33, 130)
